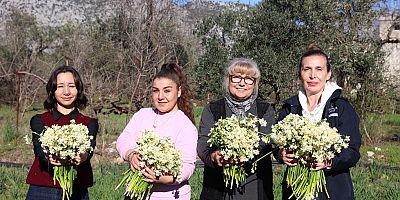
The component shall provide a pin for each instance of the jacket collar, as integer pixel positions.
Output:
(294, 100)
(57, 115)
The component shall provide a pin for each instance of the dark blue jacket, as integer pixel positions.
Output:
(340, 114)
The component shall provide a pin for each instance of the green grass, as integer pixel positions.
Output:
(369, 183)
(197, 114)
(384, 154)
(12, 183)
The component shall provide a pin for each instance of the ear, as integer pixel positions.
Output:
(329, 75)
(179, 91)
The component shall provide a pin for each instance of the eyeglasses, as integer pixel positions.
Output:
(247, 80)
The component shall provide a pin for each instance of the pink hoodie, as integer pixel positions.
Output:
(178, 127)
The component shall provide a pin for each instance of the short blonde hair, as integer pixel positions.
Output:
(242, 66)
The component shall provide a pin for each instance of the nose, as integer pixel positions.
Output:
(242, 83)
(66, 91)
(160, 95)
(312, 73)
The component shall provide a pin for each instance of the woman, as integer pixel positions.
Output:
(319, 99)
(64, 97)
(172, 117)
(241, 85)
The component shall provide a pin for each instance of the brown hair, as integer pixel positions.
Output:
(314, 50)
(174, 72)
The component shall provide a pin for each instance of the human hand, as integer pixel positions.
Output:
(152, 177)
(54, 160)
(288, 157)
(325, 164)
(134, 160)
(218, 159)
(79, 158)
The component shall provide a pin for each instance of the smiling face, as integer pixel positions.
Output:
(66, 92)
(165, 94)
(239, 86)
(314, 74)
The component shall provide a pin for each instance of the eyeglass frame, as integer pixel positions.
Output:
(253, 80)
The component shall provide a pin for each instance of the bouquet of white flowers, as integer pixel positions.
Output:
(310, 141)
(156, 152)
(65, 142)
(237, 139)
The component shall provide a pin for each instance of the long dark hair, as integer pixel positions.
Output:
(51, 102)
(174, 72)
(314, 50)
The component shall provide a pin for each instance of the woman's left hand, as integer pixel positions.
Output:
(325, 164)
(151, 177)
(79, 158)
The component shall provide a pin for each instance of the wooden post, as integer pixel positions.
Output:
(18, 97)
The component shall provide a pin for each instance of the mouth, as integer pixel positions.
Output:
(312, 84)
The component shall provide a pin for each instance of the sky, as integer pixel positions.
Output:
(252, 2)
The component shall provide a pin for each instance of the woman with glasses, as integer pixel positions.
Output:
(241, 88)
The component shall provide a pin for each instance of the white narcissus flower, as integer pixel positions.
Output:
(64, 141)
(310, 141)
(237, 139)
(157, 152)
(160, 153)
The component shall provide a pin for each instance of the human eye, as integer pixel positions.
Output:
(249, 80)
(167, 90)
(236, 79)
(60, 86)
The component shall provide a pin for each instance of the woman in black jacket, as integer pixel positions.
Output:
(241, 85)
(319, 99)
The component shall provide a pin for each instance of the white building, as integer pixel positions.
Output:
(389, 33)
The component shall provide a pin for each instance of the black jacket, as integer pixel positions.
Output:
(258, 185)
(340, 114)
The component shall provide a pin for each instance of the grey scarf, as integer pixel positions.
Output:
(240, 107)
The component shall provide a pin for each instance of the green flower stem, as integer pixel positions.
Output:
(65, 176)
(305, 183)
(234, 175)
(136, 188)
(254, 165)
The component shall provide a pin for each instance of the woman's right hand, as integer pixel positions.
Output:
(287, 157)
(134, 160)
(218, 159)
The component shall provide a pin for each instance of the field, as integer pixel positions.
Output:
(376, 176)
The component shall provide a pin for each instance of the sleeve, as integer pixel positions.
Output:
(203, 148)
(348, 125)
(283, 112)
(269, 117)
(127, 139)
(37, 127)
(186, 142)
(93, 127)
